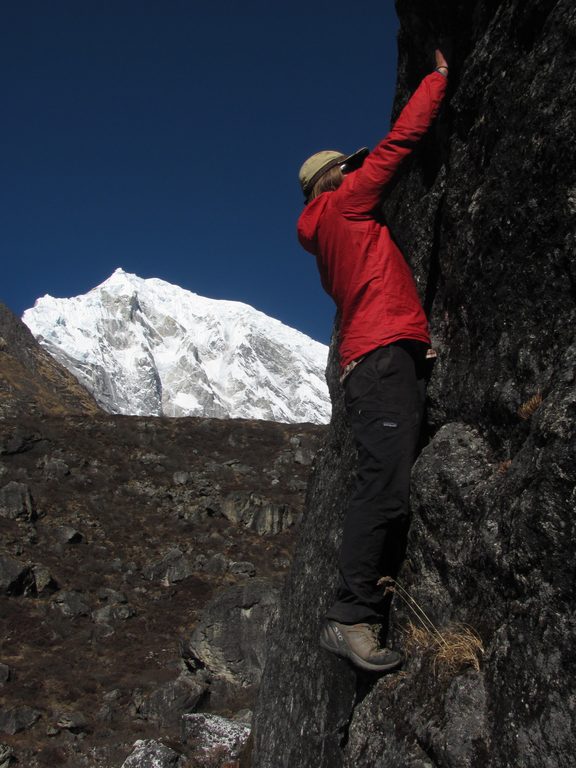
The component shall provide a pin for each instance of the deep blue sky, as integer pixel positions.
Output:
(165, 137)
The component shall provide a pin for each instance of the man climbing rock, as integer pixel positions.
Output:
(383, 345)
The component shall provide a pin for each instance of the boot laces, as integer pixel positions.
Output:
(371, 633)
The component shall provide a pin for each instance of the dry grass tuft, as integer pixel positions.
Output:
(453, 648)
(527, 409)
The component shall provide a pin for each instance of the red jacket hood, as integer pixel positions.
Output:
(308, 223)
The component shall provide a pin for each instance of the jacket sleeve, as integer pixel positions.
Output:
(362, 190)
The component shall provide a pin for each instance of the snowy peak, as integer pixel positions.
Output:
(146, 347)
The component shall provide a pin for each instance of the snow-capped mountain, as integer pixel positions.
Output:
(146, 347)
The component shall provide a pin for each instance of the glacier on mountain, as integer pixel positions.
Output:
(146, 347)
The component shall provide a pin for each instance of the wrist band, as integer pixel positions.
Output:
(439, 70)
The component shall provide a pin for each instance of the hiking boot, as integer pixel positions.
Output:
(359, 643)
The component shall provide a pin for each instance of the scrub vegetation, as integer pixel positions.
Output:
(529, 408)
(451, 648)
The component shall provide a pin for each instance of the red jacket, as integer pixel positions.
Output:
(360, 265)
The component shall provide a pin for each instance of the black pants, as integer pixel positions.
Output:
(384, 398)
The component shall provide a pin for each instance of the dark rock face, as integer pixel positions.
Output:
(229, 643)
(485, 213)
(306, 696)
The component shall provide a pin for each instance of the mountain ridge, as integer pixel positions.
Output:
(147, 347)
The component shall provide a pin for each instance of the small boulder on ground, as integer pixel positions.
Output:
(18, 719)
(72, 604)
(210, 736)
(169, 702)
(175, 566)
(230, 641)
(15, 577)
(153, 754)
(7, 756)
(16, 502)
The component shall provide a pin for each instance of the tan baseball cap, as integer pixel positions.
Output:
(317, 165)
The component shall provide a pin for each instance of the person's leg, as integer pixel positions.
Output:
(384, 399)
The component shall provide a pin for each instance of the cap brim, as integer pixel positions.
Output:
(356, 159)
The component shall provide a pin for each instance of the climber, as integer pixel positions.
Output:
(383, 348)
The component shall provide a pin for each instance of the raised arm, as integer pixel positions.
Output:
(362, 190)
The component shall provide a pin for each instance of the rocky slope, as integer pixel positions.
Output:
(149, 348)
(31, 381)
(485, 212)
(140, 563)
